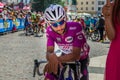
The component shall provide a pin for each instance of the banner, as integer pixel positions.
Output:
(7, 25)
(1, 26)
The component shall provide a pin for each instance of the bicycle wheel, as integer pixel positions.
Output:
(95, 35)
(36, 30)
(87, 34)
(28, 30)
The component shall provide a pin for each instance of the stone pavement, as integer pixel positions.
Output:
(98, 55)
(17, 53)
(97, 66)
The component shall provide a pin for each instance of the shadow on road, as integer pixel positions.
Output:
(108, 42)
(97, 70)
(23, 34)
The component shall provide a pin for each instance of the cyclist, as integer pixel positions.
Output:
(70, 39)
(34, 22)
(41, 23)
(27, 22)
(87, 22)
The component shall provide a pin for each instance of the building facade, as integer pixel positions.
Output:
(90, 6)
(16, 1)
(25, 1)
(10, 1)
(71, 5)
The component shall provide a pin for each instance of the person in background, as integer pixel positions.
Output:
(111, 13)
(1, 16)
(87, 23)
(28, 22)
(100, 27)
(83, 23)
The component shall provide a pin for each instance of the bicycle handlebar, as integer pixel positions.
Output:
(36, 67)
(37, 64)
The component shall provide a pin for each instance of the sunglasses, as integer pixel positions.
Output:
(58, 23)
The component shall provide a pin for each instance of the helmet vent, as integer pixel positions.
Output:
(49, 14)
(58, 10)
(54, 13)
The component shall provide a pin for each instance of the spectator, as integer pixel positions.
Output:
(100, 27)
(111, 12)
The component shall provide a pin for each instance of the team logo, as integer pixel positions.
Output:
(58, 39)
(80, 37)
(78, 33)
(69, 39)
(72, 28)
(86, 46)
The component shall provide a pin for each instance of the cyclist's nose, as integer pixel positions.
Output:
(59, 27)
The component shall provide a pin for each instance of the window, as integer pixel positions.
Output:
(101, 2)
(81, 3)
(81, 8)
(92, 8)
(92, 2)
(74, 2)
(86, 8)
(99, 8)
(86, 2)
(69, 2)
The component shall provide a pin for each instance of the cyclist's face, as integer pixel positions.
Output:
(58, 26)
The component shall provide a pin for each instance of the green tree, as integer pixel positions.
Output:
(74, 2)
(37, 5)
(40, 5)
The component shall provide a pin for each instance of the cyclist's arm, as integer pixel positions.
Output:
(73, 56)
(52, 65)
(50, 50)
(50, 45)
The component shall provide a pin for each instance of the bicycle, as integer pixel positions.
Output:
(36, 30)
(28, 30)
(61, 75)
(93, 34)
(66, 69)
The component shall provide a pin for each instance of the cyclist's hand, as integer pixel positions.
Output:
(45, 70)
(52, 65)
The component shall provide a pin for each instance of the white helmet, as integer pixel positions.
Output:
(54, 12)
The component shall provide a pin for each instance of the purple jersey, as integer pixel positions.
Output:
(73, 37)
